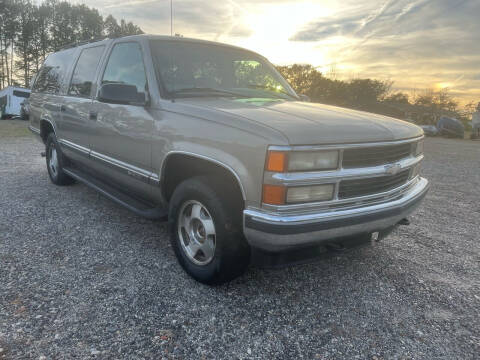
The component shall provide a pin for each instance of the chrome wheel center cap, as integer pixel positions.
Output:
(196, 232)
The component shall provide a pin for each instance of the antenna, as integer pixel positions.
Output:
(171, 17)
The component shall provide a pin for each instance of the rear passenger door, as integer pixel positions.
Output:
(121, 142)
(76, 125)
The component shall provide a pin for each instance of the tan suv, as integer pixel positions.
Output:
(213, 137)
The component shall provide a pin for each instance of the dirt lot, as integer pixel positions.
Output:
(82, 277)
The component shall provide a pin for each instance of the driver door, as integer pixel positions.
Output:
(122, 138)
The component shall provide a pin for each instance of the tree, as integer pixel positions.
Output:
(365, 92)
(437, 101)
(91, 23)
(23, 39)
(357, 93)
(129, 28)
(8, 30)
(111, 27)
(399, 98)
(302, 78)
(28, 32)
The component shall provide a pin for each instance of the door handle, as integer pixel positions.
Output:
(92, 115)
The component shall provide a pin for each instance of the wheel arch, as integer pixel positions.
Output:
(46, 127)
(179, 165)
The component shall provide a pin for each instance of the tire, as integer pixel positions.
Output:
(206, 203)
(55, 162)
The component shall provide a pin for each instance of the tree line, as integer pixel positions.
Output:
(29, 32)
(375, 96)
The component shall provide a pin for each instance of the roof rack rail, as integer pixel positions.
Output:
(82, 42)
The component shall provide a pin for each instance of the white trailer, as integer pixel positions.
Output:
(11, 99)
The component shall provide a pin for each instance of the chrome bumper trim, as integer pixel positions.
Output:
(276, 232)
(355, 202)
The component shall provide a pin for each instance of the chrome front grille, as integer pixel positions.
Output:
(369, 186)
(366, 174)
(374, 156)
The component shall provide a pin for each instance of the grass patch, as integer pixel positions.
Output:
(14, 128)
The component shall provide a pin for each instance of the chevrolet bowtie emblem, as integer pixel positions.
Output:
(393, 169)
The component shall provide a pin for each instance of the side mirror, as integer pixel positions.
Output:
(304, 98)
(121, 94)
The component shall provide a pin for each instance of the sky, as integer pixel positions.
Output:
(418, 44)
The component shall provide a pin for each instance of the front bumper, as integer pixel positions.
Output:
(273, 232)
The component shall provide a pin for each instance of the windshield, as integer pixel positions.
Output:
(189, 69)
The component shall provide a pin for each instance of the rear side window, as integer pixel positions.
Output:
(84, 72)
(125, 66)
(52, 73)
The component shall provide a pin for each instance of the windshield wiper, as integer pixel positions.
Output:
(207, 91)
(273, 89)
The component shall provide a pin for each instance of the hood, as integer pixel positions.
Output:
(307, 123)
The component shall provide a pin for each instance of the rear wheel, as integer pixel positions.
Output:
(206, 232)
(55, 161)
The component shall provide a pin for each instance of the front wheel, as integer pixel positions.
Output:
(55, 161)
(206, 232)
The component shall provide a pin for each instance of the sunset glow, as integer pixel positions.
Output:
(418, 44)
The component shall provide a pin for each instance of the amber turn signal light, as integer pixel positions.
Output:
(274, 194)
(276, 161)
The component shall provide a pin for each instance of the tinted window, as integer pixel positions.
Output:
(125, 66)
(22, 94)
(183, 65)
(53, 71)
(84, 72)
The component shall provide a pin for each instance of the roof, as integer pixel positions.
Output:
(156, 37)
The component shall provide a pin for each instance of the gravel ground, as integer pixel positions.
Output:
(81, 277)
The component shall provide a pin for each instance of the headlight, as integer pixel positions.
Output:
(418, 148)
(281, 195)
(278, 161)
(313, 193)
(307, 161)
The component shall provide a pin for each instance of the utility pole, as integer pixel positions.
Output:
(171, 17)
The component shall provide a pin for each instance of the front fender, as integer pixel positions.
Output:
(247, 169)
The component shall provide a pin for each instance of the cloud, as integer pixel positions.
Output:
(394, 17)
(206, 19)
(415, 42)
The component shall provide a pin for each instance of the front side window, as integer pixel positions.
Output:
(193, 69)
(84, 72)
(125, 66)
